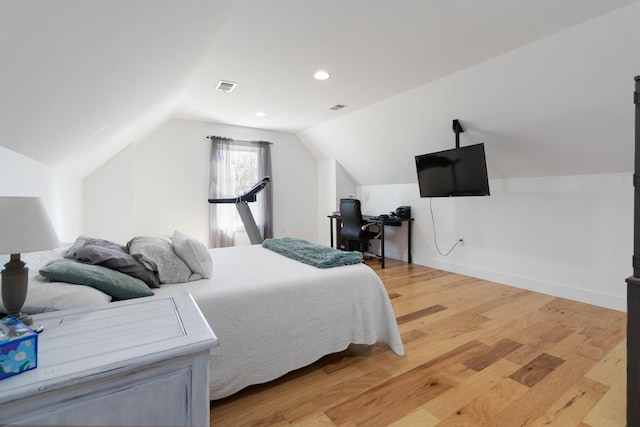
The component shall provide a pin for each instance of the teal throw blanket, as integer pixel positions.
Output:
(312, 254)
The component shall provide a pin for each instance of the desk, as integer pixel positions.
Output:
(382, 222)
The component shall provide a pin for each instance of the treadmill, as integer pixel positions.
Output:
(242, 204)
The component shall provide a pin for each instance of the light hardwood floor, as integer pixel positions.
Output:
(477, 354)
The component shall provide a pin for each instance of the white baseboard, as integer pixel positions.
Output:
(613, 302)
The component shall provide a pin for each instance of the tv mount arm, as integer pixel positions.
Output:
(242, 204)
(457, 129)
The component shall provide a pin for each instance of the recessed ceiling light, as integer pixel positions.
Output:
(321, 75)
(261, 114)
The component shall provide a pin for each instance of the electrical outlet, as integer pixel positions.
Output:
(461, 242)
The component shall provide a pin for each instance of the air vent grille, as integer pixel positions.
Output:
(338, 107)
(226, 86)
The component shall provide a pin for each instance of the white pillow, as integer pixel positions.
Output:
(194, 253)
(44, 296)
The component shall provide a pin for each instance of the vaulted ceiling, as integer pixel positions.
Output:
(80, 80)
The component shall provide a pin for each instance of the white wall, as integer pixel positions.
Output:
(164, 181)
(109, 199)
(556, 118)
(346, 186)
(568, 236)
(60, 190)
(327, 190)
(334, 183)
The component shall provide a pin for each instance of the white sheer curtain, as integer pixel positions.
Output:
(235, 167)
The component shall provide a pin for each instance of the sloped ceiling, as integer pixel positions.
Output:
(79, 80)
(559, 106)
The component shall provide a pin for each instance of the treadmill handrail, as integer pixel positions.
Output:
(247, 196)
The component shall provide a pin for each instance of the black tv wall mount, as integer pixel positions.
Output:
(457, 129)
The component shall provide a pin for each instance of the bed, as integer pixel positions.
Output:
(270, 313)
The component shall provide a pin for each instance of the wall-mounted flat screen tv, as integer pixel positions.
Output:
(452, 173)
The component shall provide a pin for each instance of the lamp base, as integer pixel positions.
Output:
(14, 288)
(24, 318)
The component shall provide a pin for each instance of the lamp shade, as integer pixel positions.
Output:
(25, 226)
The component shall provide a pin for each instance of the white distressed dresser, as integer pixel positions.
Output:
(141, 362)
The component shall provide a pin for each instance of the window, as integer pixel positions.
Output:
(235, 167)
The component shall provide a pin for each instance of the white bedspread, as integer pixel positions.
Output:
(273, 315)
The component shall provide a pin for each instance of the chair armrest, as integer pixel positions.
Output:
(377, 236)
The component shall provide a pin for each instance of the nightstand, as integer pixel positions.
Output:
(135, 362)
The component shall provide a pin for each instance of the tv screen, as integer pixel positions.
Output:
(451, 173)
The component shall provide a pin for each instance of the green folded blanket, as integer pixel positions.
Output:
(311, 253)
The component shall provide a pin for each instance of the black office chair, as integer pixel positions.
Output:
(354, 228)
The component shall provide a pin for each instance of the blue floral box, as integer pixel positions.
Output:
(18, 348)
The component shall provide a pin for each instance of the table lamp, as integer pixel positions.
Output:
(24, 227)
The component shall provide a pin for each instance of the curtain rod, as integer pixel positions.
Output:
(240, 139)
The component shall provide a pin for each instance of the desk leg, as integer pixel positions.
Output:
(409, 240)
(331, 230)
(382, 245)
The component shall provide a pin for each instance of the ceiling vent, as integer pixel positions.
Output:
(337, 107)
(226, 86)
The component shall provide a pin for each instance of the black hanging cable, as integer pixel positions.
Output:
(435, 240)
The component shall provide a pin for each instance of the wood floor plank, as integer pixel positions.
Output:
(420, 313)
(575, 404)
(461, 364)
(482, 410)
(598, 345)
(402, 394)
(419, 417)
(314, 420)
(611, 410)
(536, 370)
(474, 386)
(538, 398)
(612, 367)
(326, 398)
(492, 355)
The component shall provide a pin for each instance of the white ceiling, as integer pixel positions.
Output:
(373, 50)
(80, 80)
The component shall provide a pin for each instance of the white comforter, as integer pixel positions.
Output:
(273, 315)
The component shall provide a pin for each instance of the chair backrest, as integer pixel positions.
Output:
(351, 218)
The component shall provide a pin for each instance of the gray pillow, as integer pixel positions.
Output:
(111, 282)
(194, 253)
(106, 244)
(85, 240)
(71, 252)
(116, 259)
(157, 255)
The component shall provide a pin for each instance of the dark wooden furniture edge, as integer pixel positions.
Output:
(633, 286)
